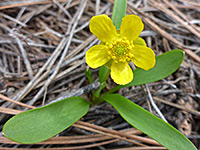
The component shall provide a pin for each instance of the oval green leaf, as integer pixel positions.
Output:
(166, 64)
(42, 123)
(151, 125)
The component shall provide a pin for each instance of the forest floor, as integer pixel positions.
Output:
(42, 58)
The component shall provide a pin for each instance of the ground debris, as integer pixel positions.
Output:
(42, 48)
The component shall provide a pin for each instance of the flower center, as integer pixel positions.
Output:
(120, 50)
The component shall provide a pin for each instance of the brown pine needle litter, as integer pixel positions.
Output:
(42, 49)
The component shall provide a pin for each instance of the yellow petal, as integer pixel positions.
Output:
(121, 73)
(102, 27)
(96, 56)
(144, 57)
(131, 27)
(139, 41)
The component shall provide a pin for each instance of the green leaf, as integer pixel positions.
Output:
(119, 11)
(42, 123)
(166, 64)
(97, 92)
(153, 126)
(88, 74)
(103, 73)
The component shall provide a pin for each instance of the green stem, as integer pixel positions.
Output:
(116, 88)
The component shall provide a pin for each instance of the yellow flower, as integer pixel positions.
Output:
(118, 49)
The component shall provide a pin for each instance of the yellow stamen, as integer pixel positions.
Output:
(120, 49)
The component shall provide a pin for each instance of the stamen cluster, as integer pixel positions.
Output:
(120, 49)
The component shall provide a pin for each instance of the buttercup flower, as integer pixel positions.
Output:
(119, 48)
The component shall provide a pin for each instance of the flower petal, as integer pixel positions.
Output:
(96, 56)
(121, 73)
(102, 27)
(131, 27)
(144, 57)
(139, 41)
